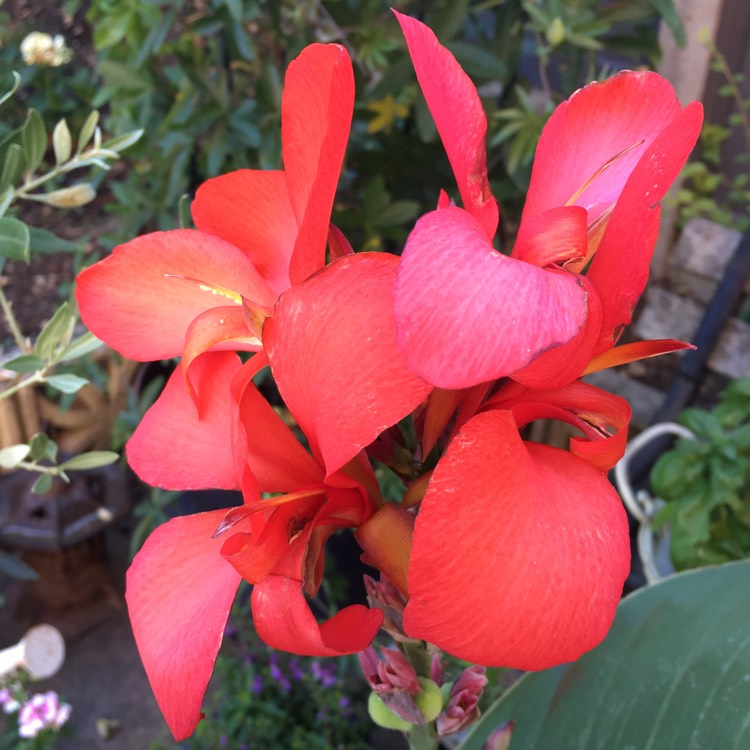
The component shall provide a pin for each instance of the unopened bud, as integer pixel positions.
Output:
(500, 738)
(68, 197)
(556, 32)
(429, 699)
(383, 716)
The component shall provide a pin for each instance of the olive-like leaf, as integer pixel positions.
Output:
(14, 239)
(33, 140)
(90, 460)
(12, 456)
(56, 334)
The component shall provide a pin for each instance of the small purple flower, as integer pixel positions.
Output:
(297, 672)
(344, 702)
(42, 711)
(328, 678)
(223, 740)
(257, 685)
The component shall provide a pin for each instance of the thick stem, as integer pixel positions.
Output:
(422, 738)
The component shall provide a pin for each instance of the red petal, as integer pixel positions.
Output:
(554, 236)
(179, 594)
(459, 117)
(332, 348)
(316, 114)
(275, 456)
(621, 264)
(620, 116)
(520, 551)
(250, 208)
(467, 314)
(602, 417)
(173, 448)
(284, 621)
(142, 298)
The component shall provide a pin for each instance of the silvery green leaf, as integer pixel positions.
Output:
(11, 456)
(6, 198)
(42, 485)
(13, 166)
(121, 142)
(80, 347)
(87, 131)
(24, 363)
(67, 383)
(16, 82)
(14, 239)
(90, 460)
(56, 334)
(38, 445)
(33, 140)
(62, 142)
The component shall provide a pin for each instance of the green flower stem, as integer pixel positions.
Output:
(422, 738)
(13, 323)
(36, 379)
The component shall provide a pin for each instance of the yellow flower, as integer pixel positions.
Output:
(388, 111)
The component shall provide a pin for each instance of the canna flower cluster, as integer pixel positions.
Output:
(503, 552)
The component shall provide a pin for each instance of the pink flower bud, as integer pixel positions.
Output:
(500, 738)
(463, 702)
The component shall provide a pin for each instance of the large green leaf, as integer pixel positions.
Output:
(673, 674)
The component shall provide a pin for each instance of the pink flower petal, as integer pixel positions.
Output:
(459, 117)
(141, 299)
(332, 348)
(519, 554)
(175, 449)
(466, 314)
(179, 593)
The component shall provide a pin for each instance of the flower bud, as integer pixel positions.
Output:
(463, 704)
(556, 32)
(42, 49)
(383, 716)
(500, 738)
(68, 197)
(430, 699)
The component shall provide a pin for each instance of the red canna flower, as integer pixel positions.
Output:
(182, 583)
(258, 232)
(466, 314)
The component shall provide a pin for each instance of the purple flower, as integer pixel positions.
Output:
(223, 740)
(297, 672)
(257, 685)
(9, 703)
(42, 711)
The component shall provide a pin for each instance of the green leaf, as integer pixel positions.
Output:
(13, 166)
(85, 344)
(67, 383)
(56, 334)
(14, 567)
(6, 198)
(121, 142)
(38, 444)
(90, 460)
(42, 485)
(24, 363)
(87, 131)
(672, 18)
(33, 140)
(11, 456)
(16, 82)
(477, 62)
(44, 241)
(672, 673)
(14, 239)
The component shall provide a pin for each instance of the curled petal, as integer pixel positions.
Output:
(635, 350)
(283, 620)
(601, 416)
(466, 314)
(179, 594)
(448, 90)
(175, 448)
(332, 348)
(141, 299)
(531, 537)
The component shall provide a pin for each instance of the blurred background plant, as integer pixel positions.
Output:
(261, 699)
(705, 483)
(706, 190)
